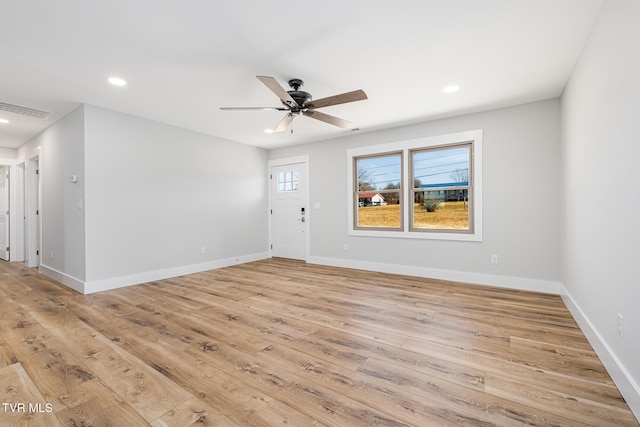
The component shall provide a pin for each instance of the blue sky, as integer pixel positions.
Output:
(430, 167)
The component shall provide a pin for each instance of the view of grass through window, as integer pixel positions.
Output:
(441, 187)
(438, 195)
(379, 195)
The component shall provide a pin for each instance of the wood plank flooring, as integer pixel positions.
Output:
(280, 342)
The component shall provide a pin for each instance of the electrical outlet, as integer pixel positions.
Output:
(345, 247)
(495, 259)
(203, 250)
(620, 325)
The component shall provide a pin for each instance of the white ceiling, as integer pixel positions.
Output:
(185, 59)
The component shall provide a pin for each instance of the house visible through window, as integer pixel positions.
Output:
(379, 191)
(440, 193)
(421, 188)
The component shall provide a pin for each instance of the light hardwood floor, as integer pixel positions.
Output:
(280, 342)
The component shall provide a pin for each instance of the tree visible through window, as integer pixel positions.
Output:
(423, 188)
(440, 193)
(378, 191)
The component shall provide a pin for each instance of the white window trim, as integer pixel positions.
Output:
(405, 146)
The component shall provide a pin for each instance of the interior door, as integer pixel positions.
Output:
(4, 213)
(32, 208)
(289, 213)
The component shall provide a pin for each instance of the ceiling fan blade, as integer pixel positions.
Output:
(332, 120)
(280, 92)
(254, 108)
(284, 123)
(343, 98)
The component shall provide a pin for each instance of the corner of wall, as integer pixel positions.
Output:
(69, 281)
(629, 389)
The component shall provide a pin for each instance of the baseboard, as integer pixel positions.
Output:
(510, 282)
(91, 286)
(65, 279)
(629, 389)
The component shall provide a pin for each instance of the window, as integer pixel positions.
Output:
(440, 191)
(429, 188)
(378, 191)
(287, 181)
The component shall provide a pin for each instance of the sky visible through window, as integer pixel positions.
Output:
(440, 166)
(380, 171)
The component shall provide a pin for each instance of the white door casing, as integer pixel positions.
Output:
(289, 212)
(4, 213)
(32, 207)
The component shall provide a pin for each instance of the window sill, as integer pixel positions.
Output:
(424, 235)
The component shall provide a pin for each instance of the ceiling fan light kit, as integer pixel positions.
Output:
(296, 102)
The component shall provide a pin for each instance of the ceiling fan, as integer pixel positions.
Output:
(298, 102)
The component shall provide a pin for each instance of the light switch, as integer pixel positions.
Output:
(79, 204)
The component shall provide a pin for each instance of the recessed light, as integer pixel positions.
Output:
(117, 81)
(4, 121)
(268, 131)
(451, 89)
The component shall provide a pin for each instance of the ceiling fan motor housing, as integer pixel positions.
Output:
(299, 96)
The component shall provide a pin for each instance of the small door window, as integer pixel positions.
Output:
(287, 181)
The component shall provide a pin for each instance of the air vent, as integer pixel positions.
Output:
(25, 111)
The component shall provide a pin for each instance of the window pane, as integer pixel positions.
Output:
(378, 173)
(378, 191)
(441, 209)
(441, 188)
(442, 167)
(287, 181)
(375, 211)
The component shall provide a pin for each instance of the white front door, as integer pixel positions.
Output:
(289, 212)
(4, 213)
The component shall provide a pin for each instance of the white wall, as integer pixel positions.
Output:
(61, 151)
(600, 210)
(521, 203)
(7, 153)
(156, 194)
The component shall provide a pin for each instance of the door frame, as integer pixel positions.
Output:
(33, 203)
(304, 160)
(6, 251)
(17, 228)
(14, 208)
